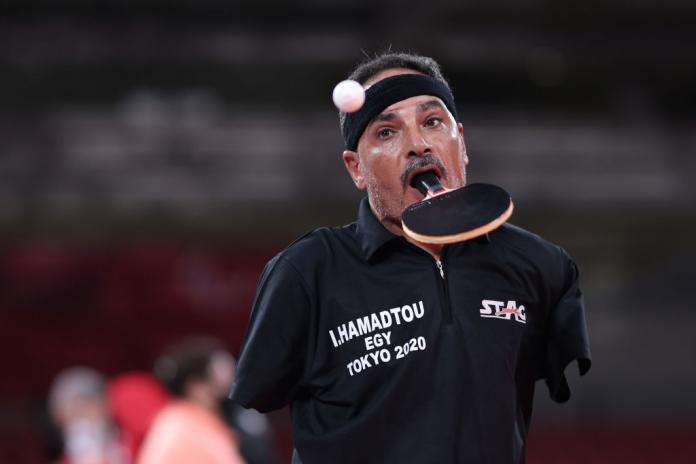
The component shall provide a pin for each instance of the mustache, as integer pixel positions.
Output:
(422, 162)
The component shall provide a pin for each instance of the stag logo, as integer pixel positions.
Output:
(501, 310)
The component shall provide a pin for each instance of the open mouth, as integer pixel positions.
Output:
(421, 179)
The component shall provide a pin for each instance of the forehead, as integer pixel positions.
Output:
(388, 73)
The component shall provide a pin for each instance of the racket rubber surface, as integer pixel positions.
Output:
(458, 215)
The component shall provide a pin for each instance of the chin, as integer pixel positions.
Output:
(392, 209)
(409, 199)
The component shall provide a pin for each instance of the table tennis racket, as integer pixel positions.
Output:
(450, 216)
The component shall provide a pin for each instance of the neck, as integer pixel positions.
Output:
(433, 250)
(203, 398)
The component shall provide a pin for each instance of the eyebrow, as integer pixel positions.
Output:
(429, 105)
(385, 117)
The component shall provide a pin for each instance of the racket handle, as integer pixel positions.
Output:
(426, 182)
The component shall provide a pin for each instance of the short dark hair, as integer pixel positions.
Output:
(372, 66)
(186, 361)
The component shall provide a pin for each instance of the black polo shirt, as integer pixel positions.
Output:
(386, 355)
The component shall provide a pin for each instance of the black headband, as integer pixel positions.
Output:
(387, 92)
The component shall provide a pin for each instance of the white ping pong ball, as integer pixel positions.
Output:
(348, 96)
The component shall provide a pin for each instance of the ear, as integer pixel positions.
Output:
(460, 129)
(352, 163)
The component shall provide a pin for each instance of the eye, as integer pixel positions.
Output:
(433, 122)
(385, 133)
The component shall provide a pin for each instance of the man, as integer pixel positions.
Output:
(78, 405)
(392, 351)
(198, 372)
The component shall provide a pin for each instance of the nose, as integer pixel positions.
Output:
(418, 145)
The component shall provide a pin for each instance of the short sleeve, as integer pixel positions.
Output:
(274, 351)
(567, 336)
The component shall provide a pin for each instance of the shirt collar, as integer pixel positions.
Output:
(373, 235)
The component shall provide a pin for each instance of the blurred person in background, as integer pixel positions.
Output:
(78, 406)
(253, 431)
(192, 428)
(135, 399)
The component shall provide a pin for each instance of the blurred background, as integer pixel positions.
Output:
(155, 154)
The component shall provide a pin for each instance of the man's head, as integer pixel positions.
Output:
(78, 394)
(79, 407)
(198, 369)
(414, 134)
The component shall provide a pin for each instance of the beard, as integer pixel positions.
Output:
(389, 205)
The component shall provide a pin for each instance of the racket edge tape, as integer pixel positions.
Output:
(462, 236)
(457, 215)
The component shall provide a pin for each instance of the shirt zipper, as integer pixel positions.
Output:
(438, 263)
(442, 287)
(444, 292)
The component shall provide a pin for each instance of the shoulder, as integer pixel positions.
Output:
(184, 433)
(531, 248)
(174, 418)
(524, 241)
(171, 425)
(545, 265)
(316, 247)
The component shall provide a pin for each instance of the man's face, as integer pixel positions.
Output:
(411, 136)
(221, 373)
